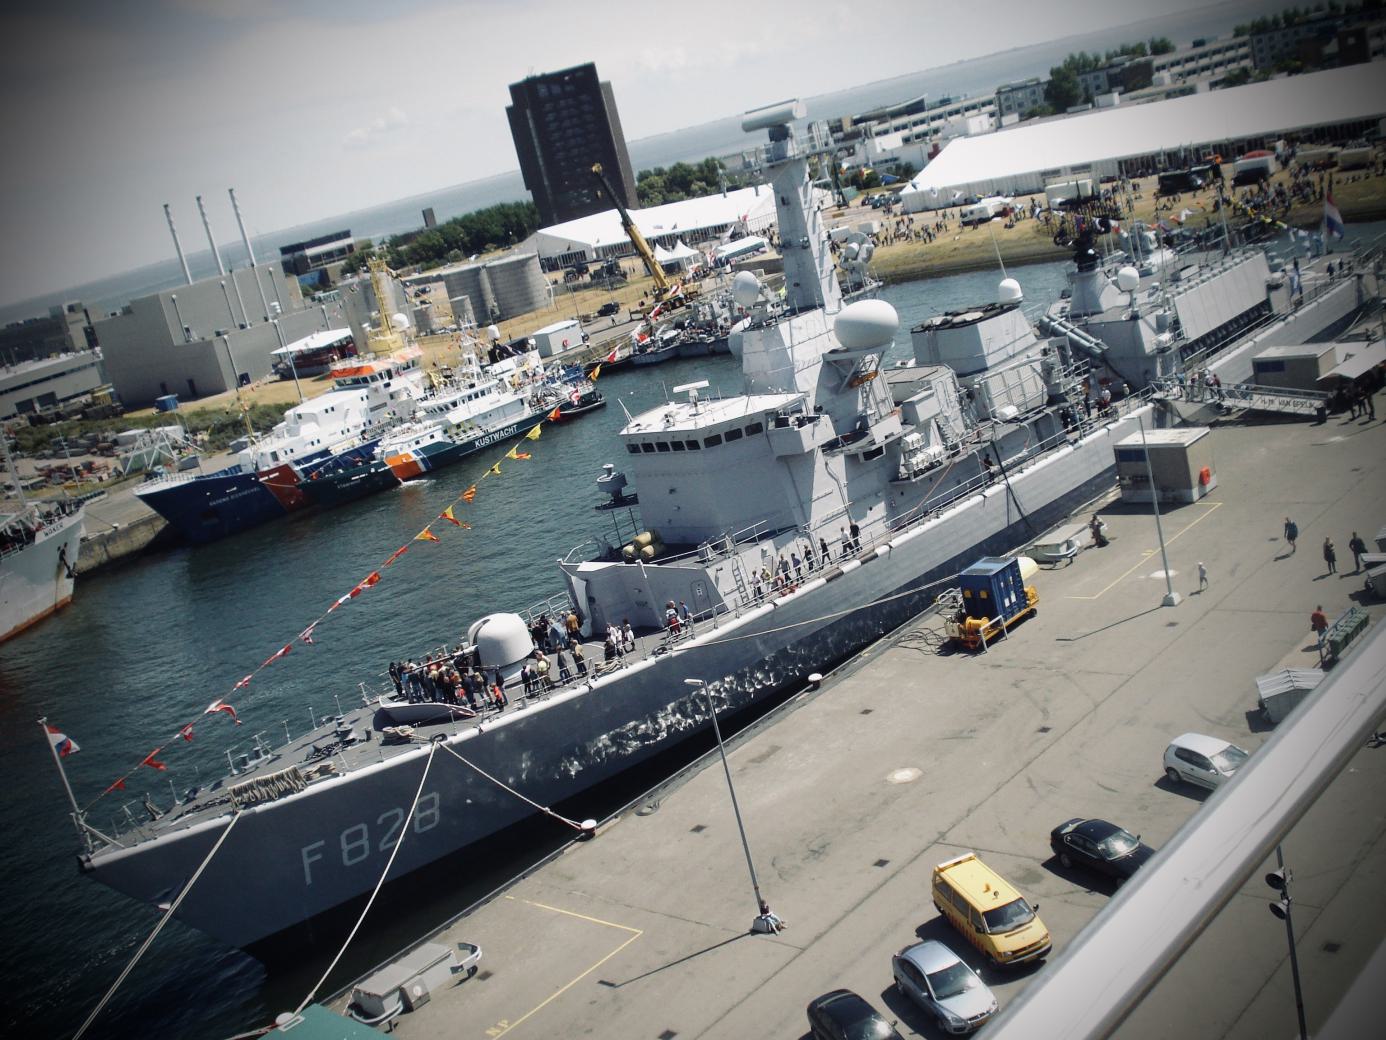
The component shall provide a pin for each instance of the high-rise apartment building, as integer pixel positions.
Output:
(563, 123)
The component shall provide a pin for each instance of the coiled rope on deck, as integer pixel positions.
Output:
(418, 793)
(168, 915)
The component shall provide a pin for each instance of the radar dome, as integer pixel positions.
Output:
(1128, 278)
(866, 324)
(746, 289)
(501, 639)
(399, 322)
(493, 333)
(1009, 291)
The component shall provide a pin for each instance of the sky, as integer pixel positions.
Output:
(311, 109)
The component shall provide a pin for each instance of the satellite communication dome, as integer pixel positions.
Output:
(1128, 278)
(501, 639)
(493, 332)
(399, 322)
(746, 289)
(866, 324)
(1009, 291)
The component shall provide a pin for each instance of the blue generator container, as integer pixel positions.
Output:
(992, 588)
(167, 403)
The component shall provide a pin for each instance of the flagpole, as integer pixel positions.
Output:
(71, 798)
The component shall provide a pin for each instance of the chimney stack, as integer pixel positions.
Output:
(206, 226)
(176, 244)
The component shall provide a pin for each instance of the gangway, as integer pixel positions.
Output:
(1312, 404)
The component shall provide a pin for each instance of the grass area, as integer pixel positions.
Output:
(1359, 196)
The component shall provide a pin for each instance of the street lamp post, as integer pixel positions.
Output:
(1172, 598)
(1279, 880)
(765, 921)
(279, 334)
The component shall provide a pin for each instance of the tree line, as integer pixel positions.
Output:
(454, 240)
(1063, 91)
(1292, 16)
(682, 181)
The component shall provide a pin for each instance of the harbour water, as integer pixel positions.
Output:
(147, 646)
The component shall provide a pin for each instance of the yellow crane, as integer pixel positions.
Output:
(672, 293)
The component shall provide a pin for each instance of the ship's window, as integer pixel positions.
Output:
(661, 445)
(647, 447)
(754, 429)
(713, 441)
(693, 445)
(677, 445)
(734, 435)
(873, 454)
(634, 449)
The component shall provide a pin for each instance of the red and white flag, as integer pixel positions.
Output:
(245, 682)
(222, 706)
(186, 732)
(152, 762)
(283, 651)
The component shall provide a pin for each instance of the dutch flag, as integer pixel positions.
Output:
(62, 743)
(1332, 219)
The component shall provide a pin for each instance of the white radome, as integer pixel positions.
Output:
(399, 322)
(1009, 291)
(746, 289)
(865, 324)
(1128, 278)
(501, 639)
(493, 333)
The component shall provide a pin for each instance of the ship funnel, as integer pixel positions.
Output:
(177, 246)
(212, 242)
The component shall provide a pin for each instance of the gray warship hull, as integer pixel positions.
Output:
(331, 842)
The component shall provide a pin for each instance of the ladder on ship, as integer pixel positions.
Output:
(1309, 404)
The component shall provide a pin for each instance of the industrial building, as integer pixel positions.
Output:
(49, 382)
(747, 211)
(1335, 104)
(563, 123)
(206, 337)
(65, 330)
(315, 254)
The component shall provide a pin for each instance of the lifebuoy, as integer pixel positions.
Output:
(1205, 475)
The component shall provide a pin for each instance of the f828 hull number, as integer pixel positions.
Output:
(359, 841)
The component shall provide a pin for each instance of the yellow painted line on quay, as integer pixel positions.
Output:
(505, 1025)
(1211, 507)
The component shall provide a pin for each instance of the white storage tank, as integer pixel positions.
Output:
(518, 284)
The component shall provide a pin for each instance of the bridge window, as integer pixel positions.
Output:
(754, 429)
(647, 447)
(734, 435)
(678, 446)
(661, 445)
(693, 445)
(713, 441)
(634, 449)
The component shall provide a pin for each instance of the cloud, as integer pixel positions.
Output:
(391, 122)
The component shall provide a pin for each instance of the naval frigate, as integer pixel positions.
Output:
(799, 520)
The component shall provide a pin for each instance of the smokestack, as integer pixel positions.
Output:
(241, 223)
(176, 244)
(248, 251)
(206, 226)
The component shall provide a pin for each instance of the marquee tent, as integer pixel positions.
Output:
(1023, 159)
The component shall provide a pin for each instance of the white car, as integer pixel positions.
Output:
(1206, 761)
(940, 982)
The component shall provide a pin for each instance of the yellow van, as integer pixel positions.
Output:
(990, 914)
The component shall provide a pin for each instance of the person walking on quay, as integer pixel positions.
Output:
(1291, 532)
(1358, 547)
(1318, 621)
(1202, 576)
(1330, 557)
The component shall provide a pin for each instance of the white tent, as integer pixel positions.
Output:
(1024, 158)
(681, 256)
(601, 234)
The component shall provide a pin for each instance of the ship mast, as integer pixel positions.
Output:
(12, 468)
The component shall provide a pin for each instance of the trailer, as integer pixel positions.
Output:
(1253, 168)
(991, 597)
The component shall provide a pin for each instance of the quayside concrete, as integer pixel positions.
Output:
(907, 757)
